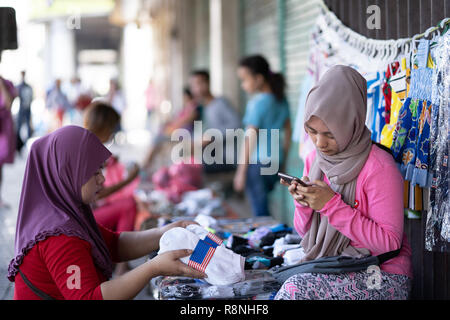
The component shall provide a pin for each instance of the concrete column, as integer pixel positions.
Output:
(180, 40)
(137, 60)
(224, 48)
(201, 35)
(60, 51)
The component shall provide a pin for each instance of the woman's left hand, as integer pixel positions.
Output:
(316, 196)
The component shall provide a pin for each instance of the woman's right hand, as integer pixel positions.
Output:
(292, 187)
(169, 264)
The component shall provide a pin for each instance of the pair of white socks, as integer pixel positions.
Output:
(221, 265)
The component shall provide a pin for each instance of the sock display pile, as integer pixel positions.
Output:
(221, 265)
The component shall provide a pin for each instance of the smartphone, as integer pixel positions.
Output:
(289, 179)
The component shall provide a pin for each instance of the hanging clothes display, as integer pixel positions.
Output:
(437, 231)
(411, 137)
(407, 109)
(387, 90)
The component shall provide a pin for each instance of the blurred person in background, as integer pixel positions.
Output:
(217, 113)
(7, 134)
(190, 112)
(116, 99)
(79, 98)
(267, 109)
(25, 94)
(115, 96)
(74, 90)
(57, 102)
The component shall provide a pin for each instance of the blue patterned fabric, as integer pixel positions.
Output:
(403, 146)
(411, 143)
(420, 174)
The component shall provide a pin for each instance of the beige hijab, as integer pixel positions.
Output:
(340, 100)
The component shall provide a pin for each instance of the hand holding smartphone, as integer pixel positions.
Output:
(289, 179)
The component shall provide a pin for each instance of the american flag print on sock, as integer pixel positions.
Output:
(213, 240)
(201, 256)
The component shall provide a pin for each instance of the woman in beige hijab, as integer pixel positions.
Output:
(355, 205)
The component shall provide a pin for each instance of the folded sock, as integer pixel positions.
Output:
(206, 221)
(283, 233)
(268, 251)
(292, 238)
(204, 234)
(280, 250)
(260, 261)
(245, 250)
(178, 238)
(281, 227)
(234, 241)
(255, 237)
(293, 256)
(268, 239)
(221, 265)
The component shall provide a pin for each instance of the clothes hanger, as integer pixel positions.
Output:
(387, 56)
(379, 56)
(387, 59)
(373, 49)
(379, 52)
(394, 52)
(444, 24)
(427, 32)
(412, 51)
(404, 48)
(366, 47)
(414, 39)
(384, 49)
(362, 47)
(400, 44)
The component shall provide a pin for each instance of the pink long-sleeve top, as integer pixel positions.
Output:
(376, 220)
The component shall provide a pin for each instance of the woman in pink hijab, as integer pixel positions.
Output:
(355, 205)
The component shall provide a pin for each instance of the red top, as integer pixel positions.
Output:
(62, 267)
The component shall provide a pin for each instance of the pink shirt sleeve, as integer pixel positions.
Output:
(380, 228)
(303, 215)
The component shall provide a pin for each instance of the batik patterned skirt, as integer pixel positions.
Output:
(345, 286)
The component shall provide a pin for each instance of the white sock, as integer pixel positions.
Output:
(202, 233)
(206, 221)
(224, 268)
(293, 256)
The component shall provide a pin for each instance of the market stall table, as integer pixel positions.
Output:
(258, 284)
